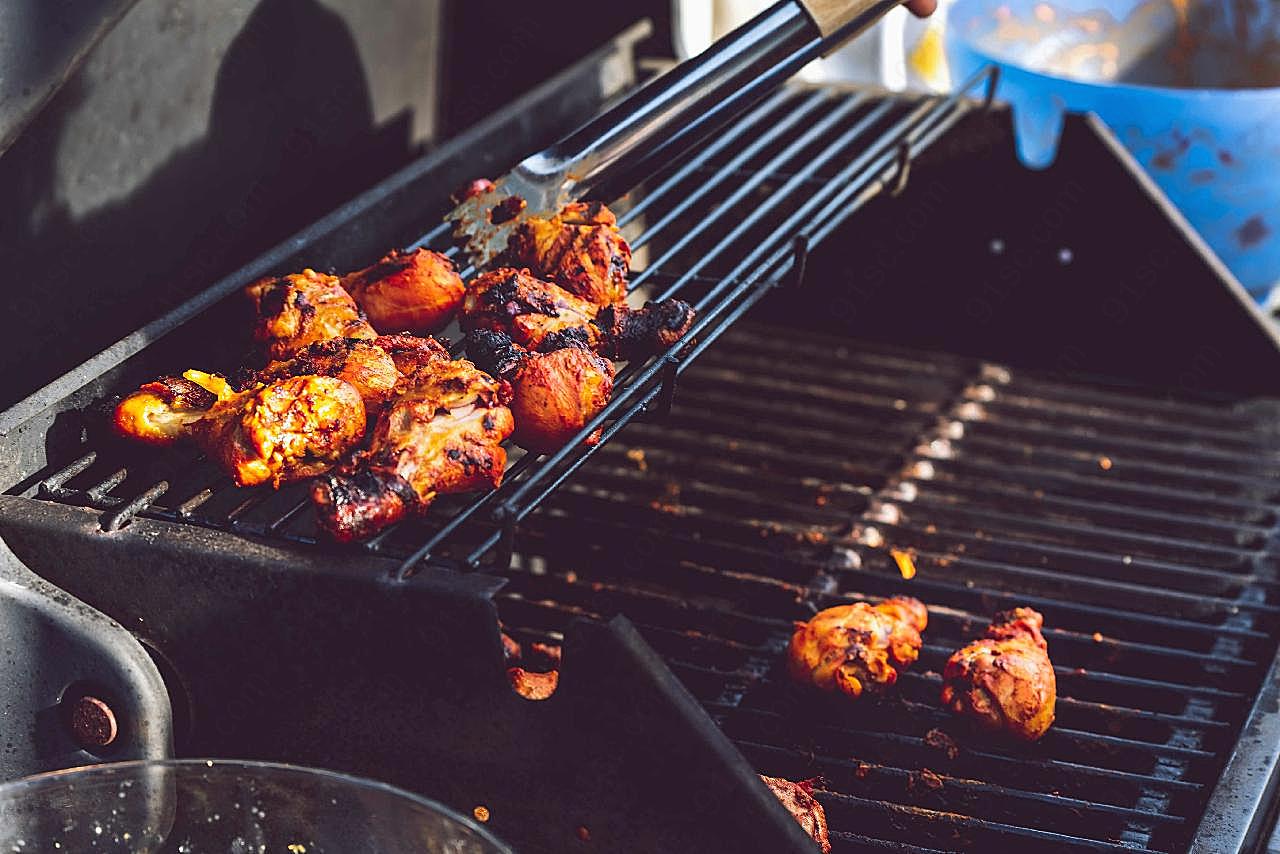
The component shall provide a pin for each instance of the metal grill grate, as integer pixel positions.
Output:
(1132, 522)
(720, 227)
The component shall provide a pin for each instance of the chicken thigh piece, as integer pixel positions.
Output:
(300, 309)
(362, 363)
(442, 434)
(856, 648)
(416, 291)
(580, 249)
(540, 315)
(553, 395)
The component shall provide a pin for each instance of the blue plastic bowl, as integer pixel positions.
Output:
(1194, 95)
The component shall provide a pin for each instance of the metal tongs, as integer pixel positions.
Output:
(686, 104)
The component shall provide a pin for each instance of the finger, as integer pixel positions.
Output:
(922, 8)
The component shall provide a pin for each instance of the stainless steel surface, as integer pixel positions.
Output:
(687, 101)
(41, 46)
(60, 652)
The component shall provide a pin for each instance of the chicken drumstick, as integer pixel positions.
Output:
(286, 430)
(1005, 681)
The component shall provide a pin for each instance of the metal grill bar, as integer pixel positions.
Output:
(818, 206)
(1156, 657)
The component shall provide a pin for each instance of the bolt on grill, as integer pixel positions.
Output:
(714, 533)
(733, 219)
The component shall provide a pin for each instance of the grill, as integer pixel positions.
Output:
(731, 221)
(765, 471)
(1005, 489)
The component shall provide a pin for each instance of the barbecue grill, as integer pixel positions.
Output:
(1002, 395)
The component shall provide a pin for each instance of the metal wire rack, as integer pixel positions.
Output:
(728, 221)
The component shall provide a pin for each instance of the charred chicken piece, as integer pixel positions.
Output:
(542, 316)
(637, 333)
(1005, 681)
(417, 291)
(364, 364)
(300, 309)
(525, 308)
(580, 249)
(409, 352)
(804, 807)
(288, 429)
(850, 649)
(442, 434)
(554, 394)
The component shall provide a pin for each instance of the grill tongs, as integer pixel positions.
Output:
(686, 104)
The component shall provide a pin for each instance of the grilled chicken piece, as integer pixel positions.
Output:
(300, 309)
(409, 352)
(364, 364)
(580, 249)
(799, 800)
(525, 308)
(442, 434)
(285, 430)
(637, 333)
(849, 649)
(542, 316)
(554, 394)
(1005, 681)
(532, 684)
(162, 412)
(417, 291)
(537, 677)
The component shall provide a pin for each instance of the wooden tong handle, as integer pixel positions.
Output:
(831, 15)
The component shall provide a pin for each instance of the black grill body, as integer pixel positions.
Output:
(1038, 385)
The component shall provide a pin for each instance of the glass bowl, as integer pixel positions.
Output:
(226, 807)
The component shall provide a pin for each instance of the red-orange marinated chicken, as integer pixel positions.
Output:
(409, 352)
(580, 249)
(849, 649)
(553, 395)
(532, 684)
(300, 309)
(288, 429)
(364, 364)
(525, 307)
(804, 807)
(161, 412)
(417, 291)
(539, 315)
(442, 434)
(534, 677)
(1005, 681)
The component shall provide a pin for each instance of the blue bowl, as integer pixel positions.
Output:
(1191, 89)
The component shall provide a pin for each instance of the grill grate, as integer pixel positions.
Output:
(720, 227)
(713, 533)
